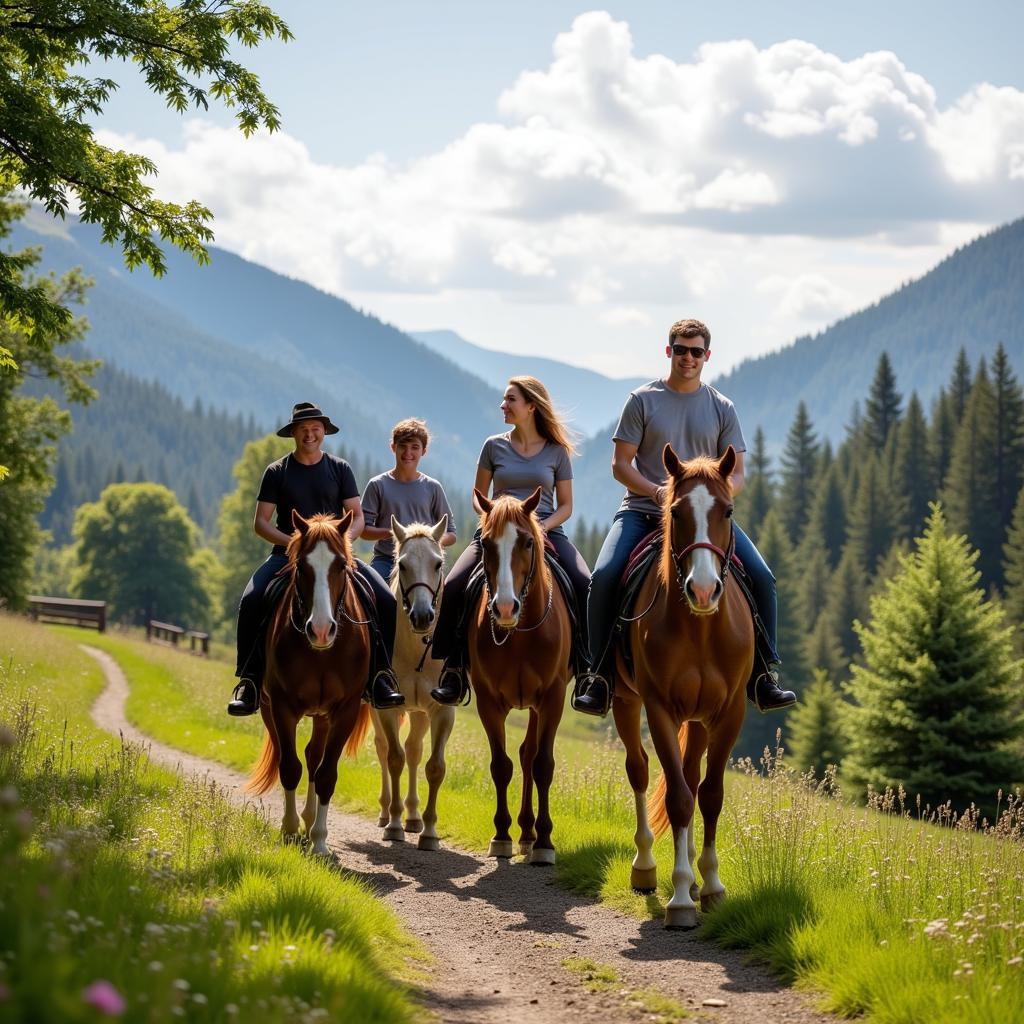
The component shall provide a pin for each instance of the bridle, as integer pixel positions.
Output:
(339, 611)
(434, 592)
(524, 590)
(725, 556)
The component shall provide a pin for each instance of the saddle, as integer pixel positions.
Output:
(641, 558)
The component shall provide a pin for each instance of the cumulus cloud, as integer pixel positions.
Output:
(810, 296)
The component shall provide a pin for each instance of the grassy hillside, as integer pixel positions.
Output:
(889, 914)
(127, 891)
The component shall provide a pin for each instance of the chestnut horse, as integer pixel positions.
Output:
(519, 648)
(693, 650)
(318, 658)
(417, 581)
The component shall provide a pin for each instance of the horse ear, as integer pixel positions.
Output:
(727, 463)
(671, 461)
(482, 503)
(440, 529)
(345, 522)
(300, 524)
(532, 501)
(398, 530)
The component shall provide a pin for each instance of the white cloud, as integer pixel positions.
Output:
(807, 297)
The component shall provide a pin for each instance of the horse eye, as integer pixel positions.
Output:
(528, 543)
(728, 512)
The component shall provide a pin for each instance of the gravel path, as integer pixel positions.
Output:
(499, 931)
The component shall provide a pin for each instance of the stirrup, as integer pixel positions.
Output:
(581, 692)
(440, 693)
(239, 706)
(391, 698)
(783, 698)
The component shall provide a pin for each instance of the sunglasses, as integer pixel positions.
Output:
(696, 352)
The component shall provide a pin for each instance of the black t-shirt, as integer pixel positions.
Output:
(323, 487)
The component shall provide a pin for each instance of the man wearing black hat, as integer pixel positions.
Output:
(311, 481)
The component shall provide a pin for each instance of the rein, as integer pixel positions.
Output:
(522, 601)
(338, 611)
(435, 593)
(725, 556)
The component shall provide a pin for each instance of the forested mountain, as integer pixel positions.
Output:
(589, 399)
(974, 299)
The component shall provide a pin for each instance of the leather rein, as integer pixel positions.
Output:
(509, 630)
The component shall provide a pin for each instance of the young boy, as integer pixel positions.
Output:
(405, 493)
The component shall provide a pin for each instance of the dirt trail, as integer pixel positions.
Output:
(500, 930)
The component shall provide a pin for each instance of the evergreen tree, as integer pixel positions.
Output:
(941, 435)
(755, 499)
(1009, 430)
(812, 583)
(960, 385)
(827, 527)
(882, 410)
(934, 700)
(845, 603)
(799, 465)
(1013, 570)
(872, 519)
(912, 485)
(822, 650)
(816, 737)
(970, 497)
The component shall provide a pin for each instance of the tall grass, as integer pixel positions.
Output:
(894, 911)
(130, 892)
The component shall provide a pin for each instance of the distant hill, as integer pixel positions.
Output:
(586, 397)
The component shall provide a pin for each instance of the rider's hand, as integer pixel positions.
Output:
(660, 495)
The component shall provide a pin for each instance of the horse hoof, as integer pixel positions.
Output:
(680, 918)
(542, 856)
(500, 848)
(382, 821)
(395, 833)
(414, 825)
(711, 900)
(644, 880)
(525, 849)
(428, 843)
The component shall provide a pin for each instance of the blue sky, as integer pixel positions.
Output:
(568, 180)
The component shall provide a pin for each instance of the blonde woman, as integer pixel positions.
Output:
(535, 452)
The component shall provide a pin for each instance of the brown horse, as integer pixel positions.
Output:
(693, 650)
(317, 665)
(519, 648)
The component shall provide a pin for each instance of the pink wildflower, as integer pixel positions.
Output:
(105, 998)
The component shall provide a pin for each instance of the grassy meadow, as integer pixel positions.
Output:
(129, 892)
(885, 912)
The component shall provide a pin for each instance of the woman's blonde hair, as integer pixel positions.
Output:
(549, 424)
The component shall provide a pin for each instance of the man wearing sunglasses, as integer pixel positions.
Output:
(696, 420)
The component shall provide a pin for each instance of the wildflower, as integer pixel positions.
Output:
(155, 965)
(1015, 961)
(231, 1009)
(105, 998)
(198, 997)
(180, 984)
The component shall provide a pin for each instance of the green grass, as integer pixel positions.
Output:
(888, 916)
(127, 890)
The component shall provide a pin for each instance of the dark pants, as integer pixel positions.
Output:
(455, 582)
(382, 566)
(628, 529)
(253, 615)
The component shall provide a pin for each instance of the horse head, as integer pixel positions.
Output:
(319, 556)
(512, 548)
(419, 570)
(697, 517)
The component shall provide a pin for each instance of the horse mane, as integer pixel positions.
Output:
(508, 509)
(703, 468)
(412, 531)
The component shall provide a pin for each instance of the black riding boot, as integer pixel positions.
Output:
(453, 686)
(593, 691)
(246, 697)
(382, 687)
(763, 689)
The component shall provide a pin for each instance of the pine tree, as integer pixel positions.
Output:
(846, 601)
(960, 385)
(755, 499)
(1013, 571)
(872, 519)
(822, 650)
(969, 496)
(811, 583)
(882, 410)
(941, 434)
(934, 702)
(816, 737)
(799, 464)
(827, 526)
(1009, 429)
(912, 485)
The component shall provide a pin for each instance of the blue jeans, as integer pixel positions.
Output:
(628, 529)
(382, 565)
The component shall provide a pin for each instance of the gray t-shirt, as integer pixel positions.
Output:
(701, 422)
(520, 476)
(417, 501)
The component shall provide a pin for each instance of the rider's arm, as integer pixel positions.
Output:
(482, 482)
(563, 495)
(738, 478)
(263, 523)
(371, 510)
(357, 517)
(628, 475)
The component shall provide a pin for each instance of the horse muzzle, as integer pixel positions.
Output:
(701, 599)
(506, 613)
(321, 639)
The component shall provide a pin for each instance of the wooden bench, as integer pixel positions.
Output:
(200, 640)
(69, 612)
(163, 633)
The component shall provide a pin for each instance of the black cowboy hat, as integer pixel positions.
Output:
(306, 411)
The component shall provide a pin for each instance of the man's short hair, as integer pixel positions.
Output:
(690, 329)
(410, 430)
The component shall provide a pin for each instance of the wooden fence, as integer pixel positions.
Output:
(68, 611)
(174, 636)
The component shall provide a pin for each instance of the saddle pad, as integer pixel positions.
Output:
(652, 540)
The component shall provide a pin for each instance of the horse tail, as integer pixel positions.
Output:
(264, 771)
(359, 731)
(657, 812)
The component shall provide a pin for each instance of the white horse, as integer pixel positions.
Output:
(416, 581)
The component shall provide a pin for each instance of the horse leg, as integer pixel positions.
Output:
(644, 875)
(442, 721)
(527, 819)
(289, 769)
(380, 744)
(493, 718)
(314, 755)
(418, 725)
(327, 773)
(391, 723)
(681, 911)
(696, 744)
(549, 715)
(710, 796)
